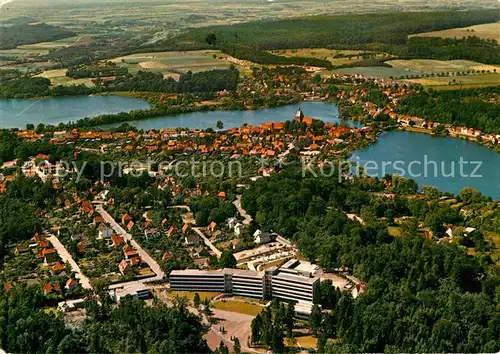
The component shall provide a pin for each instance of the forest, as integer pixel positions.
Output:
(325, 31)
(15, 35)
(131, 327)
(420, 296)
(471, 107)
(14, 84)
(206, 81)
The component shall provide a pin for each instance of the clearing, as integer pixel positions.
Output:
(303, 342)
(486, 31)
(243, 307)
(394, 231)
(58, 77)
(177, 62)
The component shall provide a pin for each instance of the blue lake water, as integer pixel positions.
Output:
(17, 113)
(203, 120)
(440, 155)
(434, 161)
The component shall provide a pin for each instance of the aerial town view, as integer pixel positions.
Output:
(255, 176)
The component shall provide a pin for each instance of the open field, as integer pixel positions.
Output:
(467, 81)
(58, 77)
(374, 71)
(355, 56)
(148, 13)
(303, 342)
(439, 66)
(238, 307)
(486, 31)
(190, 295)
(165, 62)
(394, 231)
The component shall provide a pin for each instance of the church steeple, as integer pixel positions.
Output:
(299, 116)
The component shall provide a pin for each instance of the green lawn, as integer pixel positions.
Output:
(238, 306)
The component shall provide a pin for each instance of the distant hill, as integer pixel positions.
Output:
(19, 34)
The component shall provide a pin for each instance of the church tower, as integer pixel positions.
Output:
(299, 116)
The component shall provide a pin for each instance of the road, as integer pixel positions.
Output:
(207, 242)
(155, 267)
(243, 213)
(67, 258)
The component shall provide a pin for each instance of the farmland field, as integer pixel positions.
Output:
(486, 31)
(438, 66)
(146, 13)
(466, 81)
(354, 56)
(165, 62)
(58, 77)
(376, 71)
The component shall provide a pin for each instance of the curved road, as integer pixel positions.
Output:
(243, 213)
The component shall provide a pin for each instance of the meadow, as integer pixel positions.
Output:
(178, 62)
(484, 31)
(454, 82)
(376, 71)
(439, 66)
(336, 57)
(58, 77)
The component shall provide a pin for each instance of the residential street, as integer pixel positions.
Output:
(207, 242)
(67, 258)
(155, 267)
(243, 213)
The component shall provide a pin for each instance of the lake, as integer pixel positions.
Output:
(402, 152)
(16, 113)
(203, 120)
(446, 163)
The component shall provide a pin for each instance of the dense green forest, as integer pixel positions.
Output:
(206, 81)
(471, 108)
(14, 84)
(132, 327)
(385, 32)
(106, 70)
(324, 31)
(471, 48)
(15, 35)
(420, 296)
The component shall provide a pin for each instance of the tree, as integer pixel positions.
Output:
(196, 300)
(237, 346)
(211, 38)
(206, 308)
(227, 260)
(220, 125)
(290, 319)
(315, 320)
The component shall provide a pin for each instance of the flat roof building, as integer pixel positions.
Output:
(248, 283)
(198, 280)
(286, 284)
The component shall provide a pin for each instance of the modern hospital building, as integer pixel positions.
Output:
(288, 283)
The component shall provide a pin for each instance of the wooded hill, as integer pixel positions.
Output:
(386, 32)
(16, 35)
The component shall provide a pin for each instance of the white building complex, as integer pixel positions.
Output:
(291, 282)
